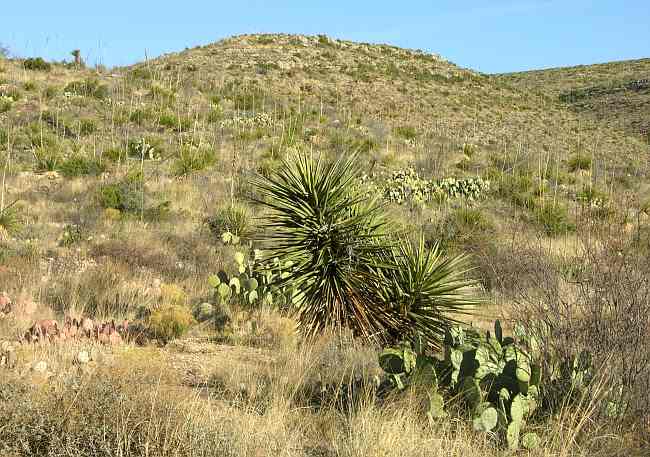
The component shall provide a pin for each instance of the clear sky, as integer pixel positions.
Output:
(487, 35)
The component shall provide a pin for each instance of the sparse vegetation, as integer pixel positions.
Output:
(211, 198)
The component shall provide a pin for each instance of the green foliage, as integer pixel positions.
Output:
(81, 165)
(87, 127)
(37, 64)
(143, 149)
(5, 103)
(253, 284)
(192, 159)
(114, 154)
(462, 228)
(169, 322)
(425, 289)
(215, 115)
(47, 159)
(139, 116)
(72, 234)
(330, 232)
(88, 88)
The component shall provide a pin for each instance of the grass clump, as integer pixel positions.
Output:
(406, 132)
(235, 219)
(192, 160)
(88, 87)
(79, 165)
(173, 122)
(579, 162)
(554, 218)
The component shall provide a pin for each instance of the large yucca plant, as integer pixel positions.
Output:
(346, 269)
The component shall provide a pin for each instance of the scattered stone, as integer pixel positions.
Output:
(82, 358)
(40, 367)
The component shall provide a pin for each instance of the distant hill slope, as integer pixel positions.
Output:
(396, 87)
(225, 111)
(617, 92)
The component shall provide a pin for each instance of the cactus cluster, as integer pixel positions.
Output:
(406, 186)
(254, 284)
(497, 377)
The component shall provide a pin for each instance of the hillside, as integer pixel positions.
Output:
(616, 93)
(124, 192)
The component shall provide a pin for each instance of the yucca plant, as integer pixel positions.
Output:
(346, 266)
(427, 291)
(10, 222)
(330, 232)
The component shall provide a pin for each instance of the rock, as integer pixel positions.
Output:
(40, 367)
(82, 358)
(5, 303)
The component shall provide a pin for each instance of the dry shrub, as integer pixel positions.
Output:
(261, 328)
(106, 290)
(599, 301)
(169, 322)
(138, 254)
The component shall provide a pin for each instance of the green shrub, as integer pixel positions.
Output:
(87, 127)
(462, 228)
(579, 162)
(147, 148)
(125, 195)
(88, 88)
(10, 221)
(114, 154)
(554, 218)
(5, 104)
(167, 96)
(170, 322)
(235, 219)
(139, 116)
(47, 159)
(192, 159)
(37, 64)
(79, 165)
(405, 131)
(173, 122)
(29, 86)
(214, 115)
(50, 92)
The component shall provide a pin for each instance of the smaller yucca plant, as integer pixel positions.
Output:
(10, 222)
(427, 291)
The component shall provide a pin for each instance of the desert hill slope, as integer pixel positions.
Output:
(617, 93)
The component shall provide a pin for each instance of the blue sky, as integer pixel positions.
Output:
(489, 35)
